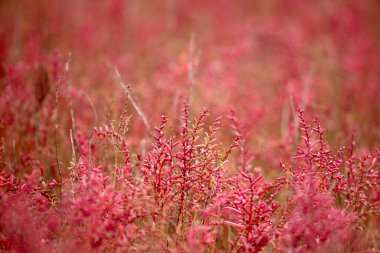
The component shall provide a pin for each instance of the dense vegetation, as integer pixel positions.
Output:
(189, 126)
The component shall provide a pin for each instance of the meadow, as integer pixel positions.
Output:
(189, 126)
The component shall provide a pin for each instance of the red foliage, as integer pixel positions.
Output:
(83, 82)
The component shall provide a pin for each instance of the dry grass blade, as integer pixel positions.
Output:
(127, 90)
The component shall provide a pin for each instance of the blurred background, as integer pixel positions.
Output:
(263, 58)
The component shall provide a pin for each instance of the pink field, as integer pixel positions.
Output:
(189, 126)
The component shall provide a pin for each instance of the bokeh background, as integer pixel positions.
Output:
(263, 58)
